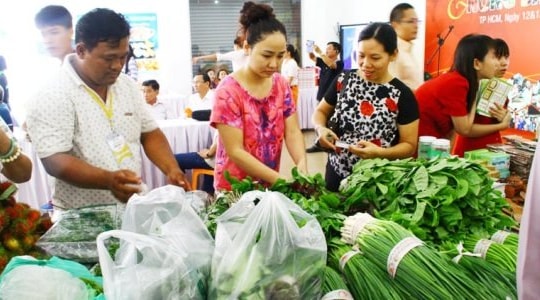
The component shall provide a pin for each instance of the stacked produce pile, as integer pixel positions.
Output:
(437, 205)
(20, 226)
(440, 200)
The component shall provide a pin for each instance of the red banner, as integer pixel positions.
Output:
(515, 21)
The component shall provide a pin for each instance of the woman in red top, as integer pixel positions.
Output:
(462, 143)
(447, 103)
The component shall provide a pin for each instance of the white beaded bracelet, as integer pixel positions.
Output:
(12, 158)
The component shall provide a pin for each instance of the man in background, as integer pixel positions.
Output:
(56, 27)
(406, 67)
(157, 108)
(330, 66)
(203, 98)
(89, 123)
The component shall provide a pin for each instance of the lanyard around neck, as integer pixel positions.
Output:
(106, 107)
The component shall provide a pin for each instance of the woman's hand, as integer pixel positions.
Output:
(501, 114)
(327, 137)
(365, 149)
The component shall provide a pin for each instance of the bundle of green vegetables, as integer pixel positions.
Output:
(365, 280)
(504, 237)
(502, 282)
(444, 199)
(334, 287)
(501, 255)
(417, 271)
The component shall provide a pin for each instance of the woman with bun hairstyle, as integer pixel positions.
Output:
(253, 110)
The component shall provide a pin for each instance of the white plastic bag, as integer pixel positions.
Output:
(167, 212)
(165, 249)
(267, 247)
(28, 278)
(149, 268)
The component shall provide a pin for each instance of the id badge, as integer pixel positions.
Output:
(119, 147)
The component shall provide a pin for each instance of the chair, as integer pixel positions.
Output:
(195, 176)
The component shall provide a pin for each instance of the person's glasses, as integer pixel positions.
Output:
(411, 21)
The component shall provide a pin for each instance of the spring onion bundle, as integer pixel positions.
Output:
(334, 287)
(417, 270)
(504, 237)
(498, 254)
(501, 282)
(364, 279)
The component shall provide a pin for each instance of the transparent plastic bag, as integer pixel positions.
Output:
(73, 235)
(267, 247)
(28, 278)
(148, 268)
(165, 250)
(167, 212)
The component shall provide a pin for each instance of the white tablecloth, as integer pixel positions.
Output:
(307, 102)
(36, 191)
(184, 135)
(176, 102)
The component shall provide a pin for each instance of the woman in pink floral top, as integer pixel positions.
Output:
(253, 109)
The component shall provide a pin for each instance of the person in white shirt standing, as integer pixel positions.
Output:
(158, 108)
(238, 56)
(203, 98)
(406, 67)
(89, 122)
(289, 69)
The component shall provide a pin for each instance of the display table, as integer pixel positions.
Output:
(307, 102)
(176, 102)
(184, 135)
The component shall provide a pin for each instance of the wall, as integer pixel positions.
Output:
(320, 22)
(321, 19)
(174, 53)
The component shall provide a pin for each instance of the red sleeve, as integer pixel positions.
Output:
(453, 95)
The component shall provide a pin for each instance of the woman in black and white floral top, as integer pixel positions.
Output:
(372, 113)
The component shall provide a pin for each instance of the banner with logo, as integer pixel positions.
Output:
(515, 21)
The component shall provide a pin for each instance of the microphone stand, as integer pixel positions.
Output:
(440, 43)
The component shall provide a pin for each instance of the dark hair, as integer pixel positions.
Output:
(469, 48)
(238, 41)
(101, 25)
(258, 20)
(151, 83)
(52, 15)
(336, 46)
(382, 33)
(501, 48)
(397, 12)
(294, 53)
(205, 77)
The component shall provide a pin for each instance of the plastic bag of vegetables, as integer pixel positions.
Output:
(163, 238)
(73, 235)
(28, 278)
(267, 247)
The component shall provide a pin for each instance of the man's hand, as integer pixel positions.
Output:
(123, 184)
(178, 178)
